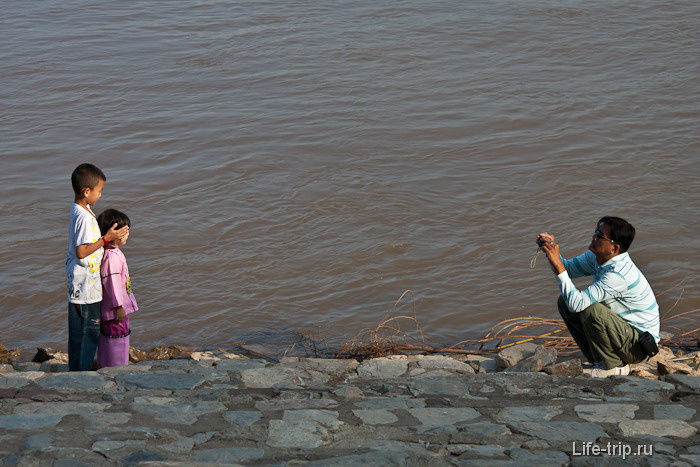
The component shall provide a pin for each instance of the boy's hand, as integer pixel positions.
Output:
(113, 234)
(121, 314)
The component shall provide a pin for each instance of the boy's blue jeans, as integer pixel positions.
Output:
(83, 333)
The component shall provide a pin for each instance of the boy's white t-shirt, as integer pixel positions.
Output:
(83, 275)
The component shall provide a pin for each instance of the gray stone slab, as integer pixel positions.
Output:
(485, 363)
(201, 438)
(28, 375)
(664, 449)
(298, 434)
(289, 404)
(375, 416)
(172, 381)
(441, 386)
(75, 457)
(536, 444)
(517, 383)
(50, 367)
(181, 445)
(638, 385)
(112, 371)
(327, 418)
(444, 416)
(13, 382)
(476, 450)
(693, 459)
(432, 362)
(336, 368)
(284, 378)
(136, 458)
(423, 373)
(391, 403)
(692, 382)
(606, 413)
(38, 441)
(528, 414)
(349, 392)
(170, 410)
(242, 417)
(478, 433)
(101, 421)
(512, 355)
(484, 463)
(656, 428)
(382, 368)
(62, 408)
(539, 457)
(70, 463)
(540, 359)
(239, 364)
(29, 421)
(74, 380)
(560, 431)
(369, 458)
(105, 446)
(673, 412)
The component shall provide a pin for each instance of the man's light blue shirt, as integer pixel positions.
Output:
(617, 284)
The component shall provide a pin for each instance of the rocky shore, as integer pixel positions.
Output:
(221, 408)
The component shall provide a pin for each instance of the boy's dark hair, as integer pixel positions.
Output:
(621, 231)
(86, 176)
(109, 217)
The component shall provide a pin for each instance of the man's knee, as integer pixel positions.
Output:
(595, 314)
(561, 305)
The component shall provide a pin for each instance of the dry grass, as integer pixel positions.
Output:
(401, 333)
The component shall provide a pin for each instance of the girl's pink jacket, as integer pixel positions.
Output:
(116, 285)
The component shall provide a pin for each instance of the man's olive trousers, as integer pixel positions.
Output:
(602, 335)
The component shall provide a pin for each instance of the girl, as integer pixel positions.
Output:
(117, 298)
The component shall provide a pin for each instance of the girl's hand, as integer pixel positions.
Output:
(121, 314)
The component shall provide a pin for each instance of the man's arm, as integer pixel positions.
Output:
(603, 289)
(581, 265)
(606, 288)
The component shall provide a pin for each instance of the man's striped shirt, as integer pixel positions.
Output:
(617, 284)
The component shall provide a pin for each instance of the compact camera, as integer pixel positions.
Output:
(540, 242)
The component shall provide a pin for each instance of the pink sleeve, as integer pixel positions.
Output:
(112, 284)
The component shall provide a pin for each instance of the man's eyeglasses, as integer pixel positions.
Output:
(601, 235)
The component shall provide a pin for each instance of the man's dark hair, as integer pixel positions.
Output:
(621, 231)
(109, 217)
(86, 176)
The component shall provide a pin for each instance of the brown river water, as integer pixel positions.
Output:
(296, 166)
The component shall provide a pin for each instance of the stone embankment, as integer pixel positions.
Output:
(217, 408)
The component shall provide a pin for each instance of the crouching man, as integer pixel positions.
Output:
(615, 321)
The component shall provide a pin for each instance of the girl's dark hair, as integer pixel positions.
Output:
(621, 231)
(86, 176)
(109, 217)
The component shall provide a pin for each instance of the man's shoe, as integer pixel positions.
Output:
(603, 373)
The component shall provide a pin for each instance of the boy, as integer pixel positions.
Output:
(83, 258)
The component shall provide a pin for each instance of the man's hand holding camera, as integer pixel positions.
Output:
(546, 243)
